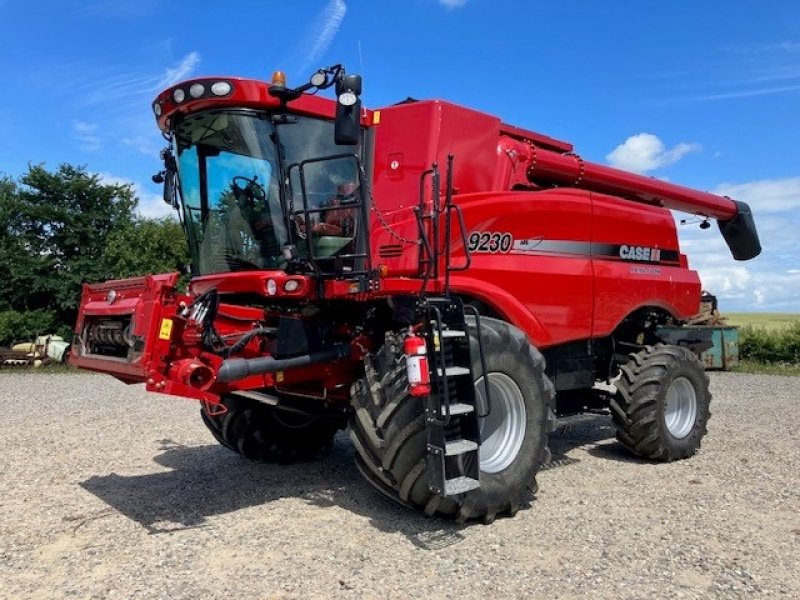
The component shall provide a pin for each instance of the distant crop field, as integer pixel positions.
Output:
(768, 321)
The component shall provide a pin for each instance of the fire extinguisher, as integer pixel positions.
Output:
(419, 377)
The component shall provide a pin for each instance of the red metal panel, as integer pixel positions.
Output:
(547, 268)
(543, 141)
(253, 282)
(471, 136)
(146, 300)
(625, 285)
(405, 146)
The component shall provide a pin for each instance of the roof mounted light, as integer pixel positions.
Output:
(319, 79)
(197, 90)
(157, 109)
(221, 88)
(347, 98)
(279, 78)
(178, 95)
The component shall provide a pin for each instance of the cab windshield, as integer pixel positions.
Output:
(247, 193)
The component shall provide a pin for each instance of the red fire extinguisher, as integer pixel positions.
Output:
(419, 377)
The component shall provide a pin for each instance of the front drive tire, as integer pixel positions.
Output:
(662, 403)
(388, 428)
(263, 433)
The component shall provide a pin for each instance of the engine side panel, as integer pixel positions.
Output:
(577, 262)
(637, 263)
(531, 249)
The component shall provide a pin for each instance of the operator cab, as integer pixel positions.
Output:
(260, 190)
(261, 187)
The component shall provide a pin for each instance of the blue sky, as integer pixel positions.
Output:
(703, 93)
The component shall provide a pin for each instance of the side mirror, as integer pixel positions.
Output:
(170, 193)
(167, 177)
(347, 129)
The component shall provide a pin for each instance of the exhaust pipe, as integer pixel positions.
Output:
(233, 369)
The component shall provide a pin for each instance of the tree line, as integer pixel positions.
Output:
(65, 227)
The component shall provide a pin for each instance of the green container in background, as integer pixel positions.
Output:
(724, 352)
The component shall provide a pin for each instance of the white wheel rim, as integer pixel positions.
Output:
(503, 429)
(680, 407)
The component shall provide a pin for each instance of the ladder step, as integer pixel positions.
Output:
(453, 333)
(460, 485)
(459, 447)
(459, 408)
(452, 371)
(448, 333)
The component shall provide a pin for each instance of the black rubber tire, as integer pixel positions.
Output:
(388, 429)
(263, 433)
(638, 408)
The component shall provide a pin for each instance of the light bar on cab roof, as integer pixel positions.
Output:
(195, 91)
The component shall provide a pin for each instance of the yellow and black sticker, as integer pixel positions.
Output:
(166, 329)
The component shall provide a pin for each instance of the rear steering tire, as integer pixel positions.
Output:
(662, 404)
(388, 427)
(264, 433)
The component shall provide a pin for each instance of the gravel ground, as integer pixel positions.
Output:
(110, 492)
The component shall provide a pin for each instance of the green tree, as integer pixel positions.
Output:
(62, 228)
(55, 225)
(146, 246)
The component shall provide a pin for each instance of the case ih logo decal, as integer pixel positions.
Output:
(640, 253)
(493, 242)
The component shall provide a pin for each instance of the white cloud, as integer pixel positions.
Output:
(768, 91)
(645, 152)
(784, 46)
(728, 282)
(121, 91)
(453, 3)
(173, 75)
(151, 204)
(146, 144)
(751, 70)
(86, 135)
(765, 195)
(769, 282)
(326, 27)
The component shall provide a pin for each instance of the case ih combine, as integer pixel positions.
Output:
(442, 283)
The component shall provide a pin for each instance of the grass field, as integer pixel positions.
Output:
(768, 321)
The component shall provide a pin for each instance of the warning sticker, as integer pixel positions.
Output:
(166, 329)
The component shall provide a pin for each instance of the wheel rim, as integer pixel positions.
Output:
(680, 407)
(503, 429)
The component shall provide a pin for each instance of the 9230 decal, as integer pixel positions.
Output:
(490, 241)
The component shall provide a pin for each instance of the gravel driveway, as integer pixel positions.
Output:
(110, 492)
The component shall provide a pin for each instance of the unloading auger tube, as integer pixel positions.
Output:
(734, 218)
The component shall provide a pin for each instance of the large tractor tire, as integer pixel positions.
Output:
(388, 427)
(662, 403)
(263, 433)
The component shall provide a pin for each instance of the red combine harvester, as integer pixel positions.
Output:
(442, 283)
